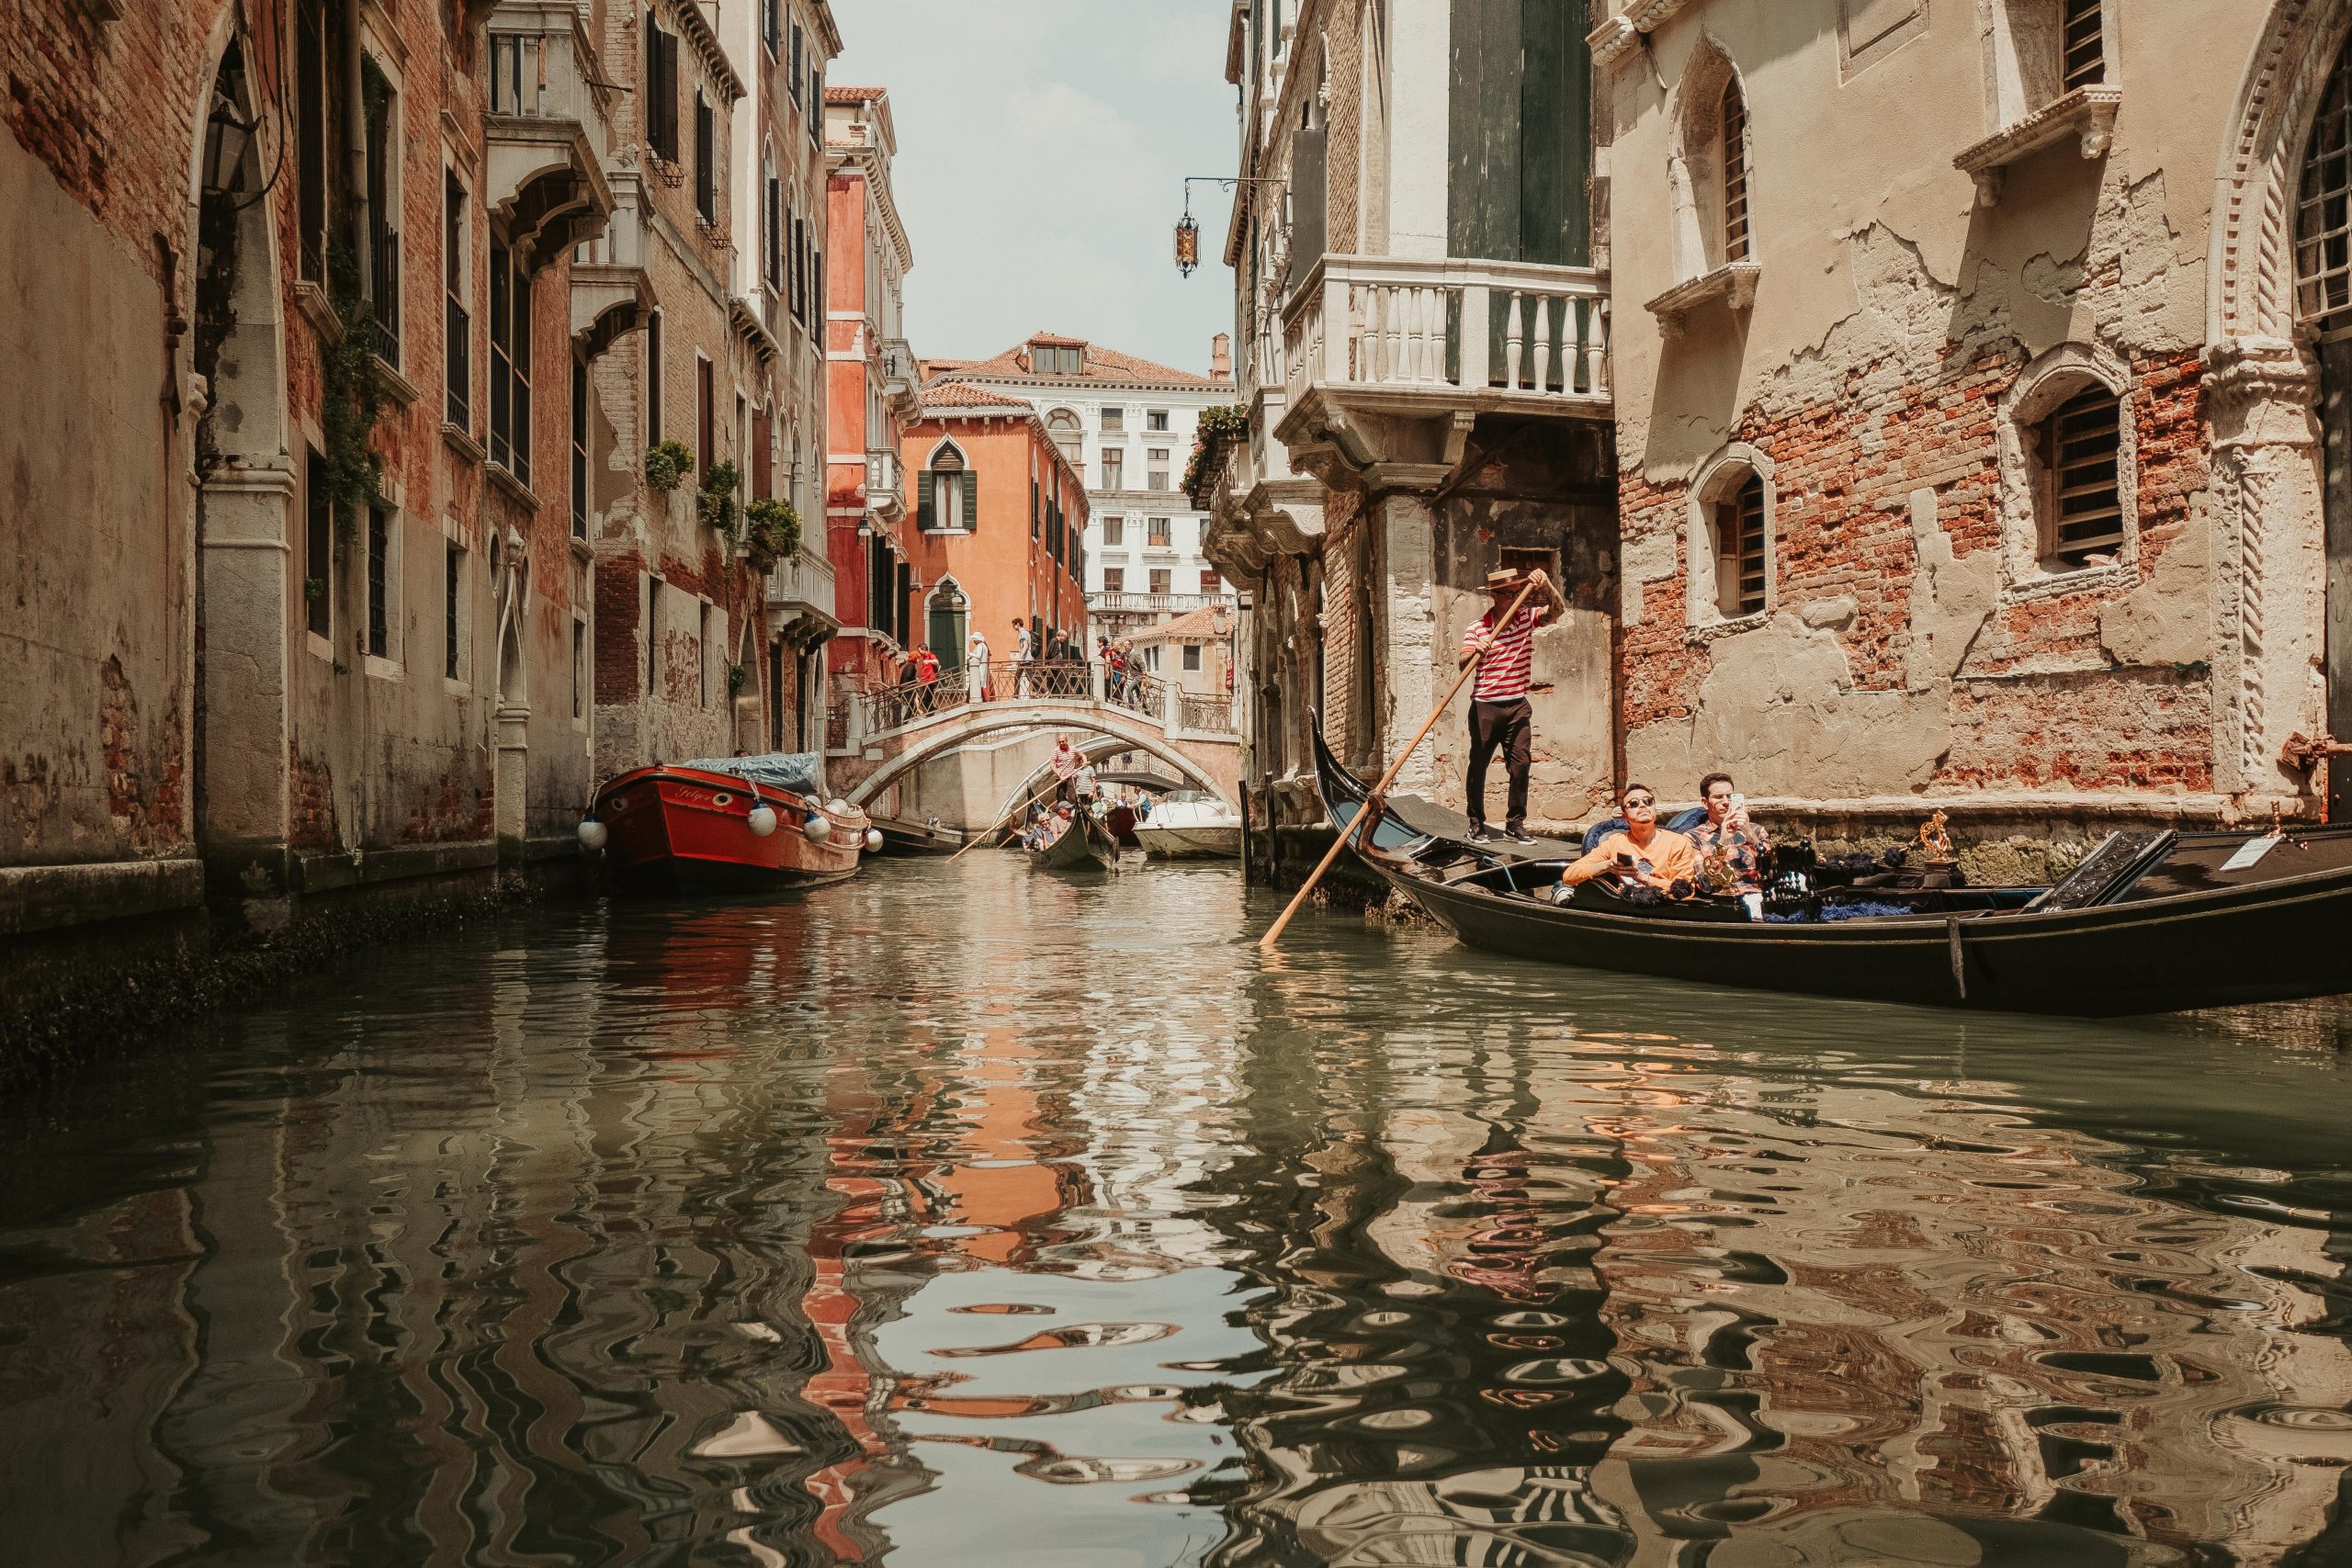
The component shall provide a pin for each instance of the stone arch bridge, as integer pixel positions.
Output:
(876, 738)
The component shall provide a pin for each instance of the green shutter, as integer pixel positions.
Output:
(971, 499)
(923, 499)
(1520, 131)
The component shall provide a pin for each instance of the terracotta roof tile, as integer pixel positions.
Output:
(1101, 365)
(834, 94)
(1208, 621)
(959, 395)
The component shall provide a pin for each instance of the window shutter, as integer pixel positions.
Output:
(1307, 200)
(971, 500)
(923, 507)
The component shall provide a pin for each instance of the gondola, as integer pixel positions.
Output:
(2149, 922)
(1070, 850)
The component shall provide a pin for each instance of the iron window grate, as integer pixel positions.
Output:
(1734, 121)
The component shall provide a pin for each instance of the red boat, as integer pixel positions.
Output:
(683, 827)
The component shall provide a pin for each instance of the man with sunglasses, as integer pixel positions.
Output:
(1644, 854)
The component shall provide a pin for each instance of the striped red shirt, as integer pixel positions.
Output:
(1502, 674)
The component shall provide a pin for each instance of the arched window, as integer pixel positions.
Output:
(2068, 484)
(947, 496)
(1731, 544)
(1710, 168)
(1067, 433)
(2323, 208)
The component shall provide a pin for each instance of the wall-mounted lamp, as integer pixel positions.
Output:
(1188, 232)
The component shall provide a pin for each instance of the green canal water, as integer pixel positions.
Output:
(958, 1216)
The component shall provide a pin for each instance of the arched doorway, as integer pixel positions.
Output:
(248, 581)
(947, 617)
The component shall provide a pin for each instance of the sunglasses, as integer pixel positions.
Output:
(1639, 800)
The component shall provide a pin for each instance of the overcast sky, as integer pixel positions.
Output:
(1042, 150)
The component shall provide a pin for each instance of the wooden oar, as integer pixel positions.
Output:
(1372, 804)
(1007, 817)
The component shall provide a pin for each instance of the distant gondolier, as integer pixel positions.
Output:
(1499, 712)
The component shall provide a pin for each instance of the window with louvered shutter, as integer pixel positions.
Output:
(1739, 549)
(2081, 449)
(925, 517)
(1735, 155)
(2083, 61)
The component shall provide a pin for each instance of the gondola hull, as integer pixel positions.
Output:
(2253, 941)
(1070, 851)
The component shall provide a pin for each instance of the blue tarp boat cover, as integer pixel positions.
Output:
(801, 772)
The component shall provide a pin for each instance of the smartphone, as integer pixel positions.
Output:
(1624, 860)
(1738, 801)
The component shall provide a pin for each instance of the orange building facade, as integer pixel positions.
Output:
(870, 392)
(997, 519)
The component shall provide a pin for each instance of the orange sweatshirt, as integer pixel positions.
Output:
(1670, 856)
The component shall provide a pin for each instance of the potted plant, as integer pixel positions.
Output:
(771, 532)
(666, 463)
(716, 504)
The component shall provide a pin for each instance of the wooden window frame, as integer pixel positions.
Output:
(2082, 45)
(1743, 557)
(381, 545)
(1733, 117)
(2078, 479)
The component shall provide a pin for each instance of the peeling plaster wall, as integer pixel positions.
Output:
(1913, 641)
(96, 592)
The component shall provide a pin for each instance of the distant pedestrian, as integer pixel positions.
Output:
(976, 668)
(1024, 651)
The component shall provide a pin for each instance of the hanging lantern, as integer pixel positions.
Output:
(1188, 243)
(761, 821)
(592, 834)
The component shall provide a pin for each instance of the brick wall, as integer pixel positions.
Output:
(2037, 700)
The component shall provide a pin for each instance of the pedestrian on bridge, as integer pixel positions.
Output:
(976, 668)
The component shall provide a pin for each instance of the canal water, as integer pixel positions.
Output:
(962, 1215)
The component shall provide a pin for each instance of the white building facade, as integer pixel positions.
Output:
(1129, 424)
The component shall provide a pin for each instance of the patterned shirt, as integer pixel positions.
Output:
(1741, 846)
(1502, 674)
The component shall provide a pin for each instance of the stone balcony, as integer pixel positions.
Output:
(1388, 360)
(1259, 506)
(900, 380)
(885, 485)
(544, 181)
(802, 585)
(1103, 602)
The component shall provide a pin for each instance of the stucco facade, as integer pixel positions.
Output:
(332, 645)
(1946, 243)
(1000, 539)
(1420, 323)
(726, 358)
(871, 384)
(1129, 424)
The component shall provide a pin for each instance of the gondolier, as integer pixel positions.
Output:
(1499, 712)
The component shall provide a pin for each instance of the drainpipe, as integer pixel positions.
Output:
(355, 128)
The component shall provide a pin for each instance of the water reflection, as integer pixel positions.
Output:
(972, 1217)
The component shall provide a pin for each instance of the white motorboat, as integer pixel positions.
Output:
(1190, 826)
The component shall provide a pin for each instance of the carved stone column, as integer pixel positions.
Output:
(2271, 605)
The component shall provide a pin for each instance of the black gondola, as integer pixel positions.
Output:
(2148, 923)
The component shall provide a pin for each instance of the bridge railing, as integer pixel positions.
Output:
(1148, 696)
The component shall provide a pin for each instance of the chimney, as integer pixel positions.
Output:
(1221, 355)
